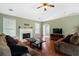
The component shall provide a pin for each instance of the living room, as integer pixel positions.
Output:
(33, 26)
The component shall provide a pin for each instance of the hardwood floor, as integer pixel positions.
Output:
(48, 48)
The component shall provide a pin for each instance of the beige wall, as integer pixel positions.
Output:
(68, 24)
(19, 22)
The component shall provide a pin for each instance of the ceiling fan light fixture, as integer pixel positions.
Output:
(45, 6)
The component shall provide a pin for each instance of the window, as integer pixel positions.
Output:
(46, 29)
(9, 26)
(37, 28)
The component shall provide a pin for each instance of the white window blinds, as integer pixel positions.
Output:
(9, 26)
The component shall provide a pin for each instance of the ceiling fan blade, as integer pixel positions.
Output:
(51, 5)
(39, 7)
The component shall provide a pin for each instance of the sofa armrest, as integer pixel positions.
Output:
(60, 40)
(20, 43)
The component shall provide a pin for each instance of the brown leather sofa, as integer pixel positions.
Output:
(68, 45)
(16, 50)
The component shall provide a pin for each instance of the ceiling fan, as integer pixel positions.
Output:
(45, 5)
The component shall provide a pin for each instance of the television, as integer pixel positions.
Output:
(57, 30)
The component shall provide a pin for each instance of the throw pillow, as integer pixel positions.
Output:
(10, 40)
(75, 38)
(67, 38)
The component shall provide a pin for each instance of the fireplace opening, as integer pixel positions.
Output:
(26, 35)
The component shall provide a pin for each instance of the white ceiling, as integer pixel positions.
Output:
(30, 11)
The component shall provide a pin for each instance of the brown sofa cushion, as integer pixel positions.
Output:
(4, 49)
(74, 40)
